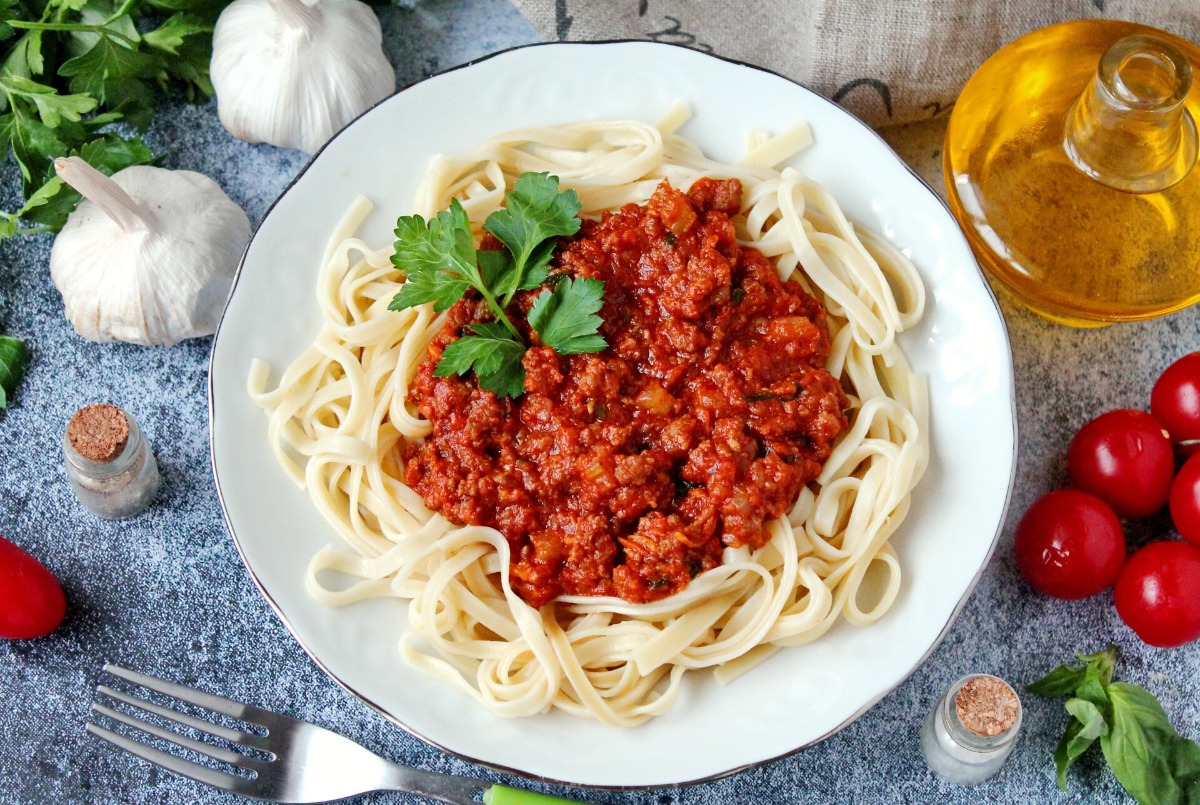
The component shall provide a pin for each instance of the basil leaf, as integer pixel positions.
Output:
(1069, 748)
(1148, 757)
(14, 358)
(1080, 735)
(1093, 686)
(1185, 765)
(1062, 681)
(1104, 661)
(1092, 721)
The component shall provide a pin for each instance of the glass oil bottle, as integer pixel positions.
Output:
(1069, 163)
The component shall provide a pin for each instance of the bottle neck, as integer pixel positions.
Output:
(984, 744)
(128, 457)
(1130, 129)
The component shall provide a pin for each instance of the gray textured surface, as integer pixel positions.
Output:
(166, 593)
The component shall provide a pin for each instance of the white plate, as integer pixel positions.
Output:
(801, 695)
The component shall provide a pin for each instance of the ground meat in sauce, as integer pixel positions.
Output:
(626, 472)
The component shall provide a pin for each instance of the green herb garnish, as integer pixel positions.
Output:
(71, 68)
(440, 264)
(493, 354)
(1148, 757)
(14, 357)
(566, 318)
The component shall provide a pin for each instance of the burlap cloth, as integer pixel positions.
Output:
(887, 61)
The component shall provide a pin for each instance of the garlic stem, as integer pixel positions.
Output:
(298, 14)
(104, 193)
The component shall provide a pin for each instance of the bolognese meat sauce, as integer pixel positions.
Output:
(626, 472)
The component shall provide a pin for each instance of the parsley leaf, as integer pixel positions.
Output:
(493, 265)
(51, 203)
(172, 36)
(14, 357)
(1152, 761)
(492, 353)
(51, 107)
(116, 75)
(534, 213)
(440, 264)
(566, 318)
(71, 68)
(437, 259)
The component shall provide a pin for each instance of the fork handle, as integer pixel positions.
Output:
(503, 795)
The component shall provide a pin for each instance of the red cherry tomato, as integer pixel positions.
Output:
(1070, 544)
(1185, 500)
(1175, 402)
(1158, 593)
(1125, 459)
(31, 600)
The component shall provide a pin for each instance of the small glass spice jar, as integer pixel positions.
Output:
(111, 467)
(969, 734)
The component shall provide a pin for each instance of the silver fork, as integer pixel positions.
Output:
(291, 761)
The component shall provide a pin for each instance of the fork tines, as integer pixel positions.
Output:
(219, 704)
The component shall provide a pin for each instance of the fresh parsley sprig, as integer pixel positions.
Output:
(70, 69)
(1154, 763)
(440, 263)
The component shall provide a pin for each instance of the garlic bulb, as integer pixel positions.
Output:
(292, 74)
(148, 256)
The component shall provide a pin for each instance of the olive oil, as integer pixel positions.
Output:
(1069, 163)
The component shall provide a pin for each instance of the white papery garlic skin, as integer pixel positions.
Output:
(292, 74)
(148, 256)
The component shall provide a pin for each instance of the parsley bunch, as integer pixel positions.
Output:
(440, 263)
(81, 77)
(1154, 763)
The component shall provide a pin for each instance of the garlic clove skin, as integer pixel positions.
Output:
(293, 74)
(154, 273)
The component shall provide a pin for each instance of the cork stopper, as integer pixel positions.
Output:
(98, 432)
(987, 706)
